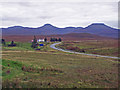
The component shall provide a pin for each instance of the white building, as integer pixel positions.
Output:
(40, 40)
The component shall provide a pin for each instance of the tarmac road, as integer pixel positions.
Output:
(53, 46)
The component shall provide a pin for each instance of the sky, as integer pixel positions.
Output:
(60, 13)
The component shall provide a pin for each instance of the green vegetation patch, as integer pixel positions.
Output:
(10, 68)
(14, 70)
(26, 46)
(19, 46)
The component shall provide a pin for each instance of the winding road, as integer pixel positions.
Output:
(53, 46)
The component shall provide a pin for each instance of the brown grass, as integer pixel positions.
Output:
(65, 37)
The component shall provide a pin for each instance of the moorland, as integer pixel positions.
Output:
(25, 67)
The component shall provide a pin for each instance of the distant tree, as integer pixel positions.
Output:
(34, 43)
(56, 39)
(51, 39)
(45, 39)
(59, 39)
(12, 42)
(35, 40)
(3, 41)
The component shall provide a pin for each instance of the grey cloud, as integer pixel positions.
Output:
(14, 19)
(17, 3)
(27, 4)
(36, 13)
(45, 17)
(113, 23)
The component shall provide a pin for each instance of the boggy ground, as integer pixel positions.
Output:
(100, 47)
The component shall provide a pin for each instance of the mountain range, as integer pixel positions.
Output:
(96, 28)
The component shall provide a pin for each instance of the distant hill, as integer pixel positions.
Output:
(48, 29)
(65, 37)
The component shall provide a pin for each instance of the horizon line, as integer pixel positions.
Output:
(56, 26)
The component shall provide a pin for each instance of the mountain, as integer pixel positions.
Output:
(48, 29)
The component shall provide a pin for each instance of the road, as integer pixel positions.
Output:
(53, 46)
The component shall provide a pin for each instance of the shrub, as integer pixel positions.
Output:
(77, 49)
(8, 71)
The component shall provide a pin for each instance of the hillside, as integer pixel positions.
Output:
(48, 29)
(65, 37)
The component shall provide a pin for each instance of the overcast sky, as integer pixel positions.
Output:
(62, 13)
